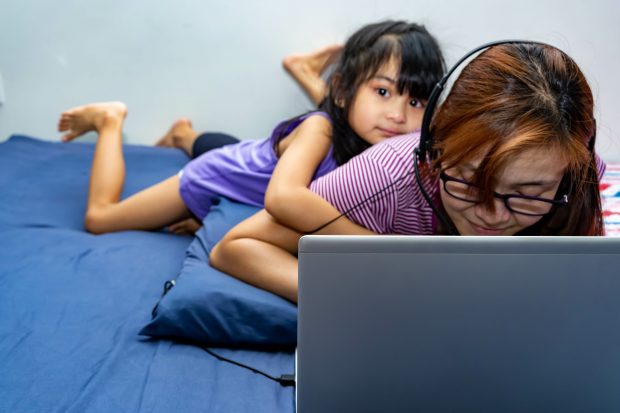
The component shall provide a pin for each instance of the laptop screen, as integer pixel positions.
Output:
(458, 324)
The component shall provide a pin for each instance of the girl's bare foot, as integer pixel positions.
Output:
(180, 135)
(313, 63)
(79, 120)
(307, 68)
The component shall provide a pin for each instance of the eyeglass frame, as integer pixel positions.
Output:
(444, 177)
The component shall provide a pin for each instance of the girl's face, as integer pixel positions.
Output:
(534, 173)
(379, 112)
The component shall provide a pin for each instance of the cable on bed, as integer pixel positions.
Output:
(284, 380)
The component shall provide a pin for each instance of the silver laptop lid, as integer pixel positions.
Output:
(458, 324)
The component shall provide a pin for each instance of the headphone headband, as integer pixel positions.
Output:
(425, 139)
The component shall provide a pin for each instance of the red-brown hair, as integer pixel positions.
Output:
(514, 98)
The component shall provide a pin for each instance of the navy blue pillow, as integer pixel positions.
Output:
(209, 307)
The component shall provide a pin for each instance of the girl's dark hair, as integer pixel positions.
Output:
(520, 97)
(365, 52)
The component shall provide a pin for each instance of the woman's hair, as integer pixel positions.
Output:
(519, 97)
(365, 52)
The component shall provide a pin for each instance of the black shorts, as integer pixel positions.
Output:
(211, 140)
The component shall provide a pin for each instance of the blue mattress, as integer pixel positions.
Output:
(72, 303)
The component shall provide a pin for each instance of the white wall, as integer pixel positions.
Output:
(218, 63)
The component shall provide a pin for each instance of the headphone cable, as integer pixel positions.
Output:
(362, 202)
(284, 379)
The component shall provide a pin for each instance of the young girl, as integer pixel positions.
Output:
(514, 144)
(376, 92)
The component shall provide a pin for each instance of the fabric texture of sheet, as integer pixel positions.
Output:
(72, 303)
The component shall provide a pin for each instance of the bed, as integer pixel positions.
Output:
(72, 304)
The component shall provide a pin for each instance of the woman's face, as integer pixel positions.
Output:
(533, 173)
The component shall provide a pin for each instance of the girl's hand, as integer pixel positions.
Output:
(188, 226)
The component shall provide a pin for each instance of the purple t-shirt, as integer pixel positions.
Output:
(240, 171)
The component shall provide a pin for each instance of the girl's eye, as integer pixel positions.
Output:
(416, 103)
(383, 92)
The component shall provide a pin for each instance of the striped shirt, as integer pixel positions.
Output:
(383, 176)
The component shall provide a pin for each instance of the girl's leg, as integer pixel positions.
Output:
(208, 141)
(180, 135)
(151, 208)
(307, 68)
(183, 136)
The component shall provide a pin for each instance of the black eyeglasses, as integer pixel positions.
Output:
(519, 204)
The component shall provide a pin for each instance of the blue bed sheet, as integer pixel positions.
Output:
(72, 303)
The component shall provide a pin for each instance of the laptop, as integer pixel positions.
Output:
(458, 324)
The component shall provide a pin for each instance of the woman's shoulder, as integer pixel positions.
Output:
(403, 144)
(396, 152)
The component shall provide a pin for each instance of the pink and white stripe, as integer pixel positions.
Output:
(401, 209)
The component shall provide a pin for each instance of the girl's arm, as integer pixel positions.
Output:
(260, 251)
(288, 198)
